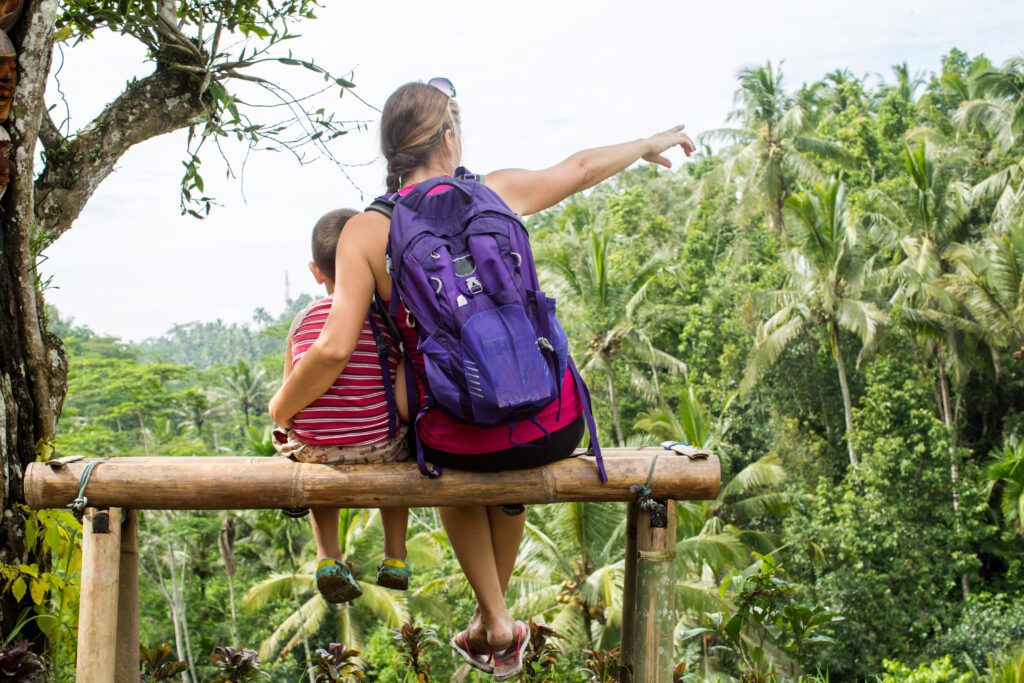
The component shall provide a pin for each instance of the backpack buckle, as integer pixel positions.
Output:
(474, 285)
(543, 343)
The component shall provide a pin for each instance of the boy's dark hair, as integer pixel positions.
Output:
(325, 239)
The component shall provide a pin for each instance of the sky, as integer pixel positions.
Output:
(536, 81)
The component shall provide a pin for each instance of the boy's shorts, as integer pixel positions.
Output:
(390, 450)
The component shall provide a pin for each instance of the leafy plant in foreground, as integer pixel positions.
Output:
(237, 665)
(541, 655)
(764, 621)
(413, 642)
(336, 664)
(17, 662)
(603, 665)
(158, 664)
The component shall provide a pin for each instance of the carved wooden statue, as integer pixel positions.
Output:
(8, 74)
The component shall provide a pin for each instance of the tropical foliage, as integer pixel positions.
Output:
(833, 300)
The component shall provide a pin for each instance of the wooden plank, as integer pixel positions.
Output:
(653, 660)
(225, 483)
(97, 608)
(127, 666)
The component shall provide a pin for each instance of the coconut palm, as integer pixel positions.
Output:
(924, 231)
(989, 279)
(360, 537)
(998, 111)
(1007, 472)
(607, 301)
(247, 387)
(769, 148)
(825, 292)
(692, 421)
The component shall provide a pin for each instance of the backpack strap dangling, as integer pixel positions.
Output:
(384, 358)
(588, 414)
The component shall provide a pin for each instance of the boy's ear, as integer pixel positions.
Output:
(317, 275)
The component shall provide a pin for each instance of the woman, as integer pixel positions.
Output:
(420, 139)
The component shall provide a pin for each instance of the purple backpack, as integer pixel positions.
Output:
(492, 346)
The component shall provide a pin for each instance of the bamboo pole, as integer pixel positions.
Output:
(655, 599)
(225, 483)
(127, 669)
(97, 610)
(628, 651)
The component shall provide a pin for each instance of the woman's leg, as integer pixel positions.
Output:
(506, 535)
(469, 530)
(325, 531)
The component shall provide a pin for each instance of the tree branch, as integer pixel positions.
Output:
(164, 101)
(28, 108)
(49, 134)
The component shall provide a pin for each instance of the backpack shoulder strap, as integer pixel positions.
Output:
(464, 173)
(384, 204)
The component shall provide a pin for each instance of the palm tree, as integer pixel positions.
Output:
(826, 285)
(998, 111)
(360, 536)
(1007, 471)
(907, 84)
(768, 148)
(924, 230)
(607, 301)
(989, 279)
(247, 387)
(693, 421)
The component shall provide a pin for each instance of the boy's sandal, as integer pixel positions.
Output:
(481, 661)
(394, 573)
(508, 663)
(335, 582)
(295, 513)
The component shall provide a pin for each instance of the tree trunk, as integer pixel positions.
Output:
(954, 461)
(837, 353)
(33, 371)
(613, 402)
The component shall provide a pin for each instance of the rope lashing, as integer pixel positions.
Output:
(78, 505)
(656, 509)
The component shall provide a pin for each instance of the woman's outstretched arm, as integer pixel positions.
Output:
(528, 192)
(354, 285)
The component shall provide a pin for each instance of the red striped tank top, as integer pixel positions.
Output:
(354, 411)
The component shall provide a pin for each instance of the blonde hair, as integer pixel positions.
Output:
(412, 128)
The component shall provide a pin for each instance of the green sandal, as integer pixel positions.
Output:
(335, 582)
(394, 573)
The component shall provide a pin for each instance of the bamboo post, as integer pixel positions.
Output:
(127, 668)
(655, 599)
(628, 651)
(97, 610)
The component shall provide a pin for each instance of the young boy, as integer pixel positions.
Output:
(349, 423)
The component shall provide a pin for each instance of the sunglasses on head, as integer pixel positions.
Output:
(443, 84)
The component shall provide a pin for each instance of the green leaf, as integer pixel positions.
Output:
(38, 591)
(18, 589)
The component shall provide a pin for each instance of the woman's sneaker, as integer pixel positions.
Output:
(335, 582)
(394, 573)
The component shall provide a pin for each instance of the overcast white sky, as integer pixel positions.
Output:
(536, 81)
